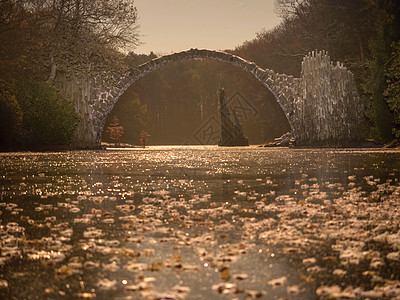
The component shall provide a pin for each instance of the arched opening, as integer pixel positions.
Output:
(178, 104)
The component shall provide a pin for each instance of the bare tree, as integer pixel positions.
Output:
(81, 28)
(79, 34)
(289, 8)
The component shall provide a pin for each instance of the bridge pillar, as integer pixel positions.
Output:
(82, 91)
(328, 111)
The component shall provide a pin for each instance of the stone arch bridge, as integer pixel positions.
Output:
(322, 106)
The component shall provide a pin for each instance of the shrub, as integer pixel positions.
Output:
(392, 92)
(11, 131)
(48, 118)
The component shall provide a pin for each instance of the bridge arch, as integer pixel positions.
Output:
(278, 84)
(322, 106)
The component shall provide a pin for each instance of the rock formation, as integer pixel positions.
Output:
(231, 133)
(286, 140)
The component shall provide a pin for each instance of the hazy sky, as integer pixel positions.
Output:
(172, 25)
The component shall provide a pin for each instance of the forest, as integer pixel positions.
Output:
(42, 40)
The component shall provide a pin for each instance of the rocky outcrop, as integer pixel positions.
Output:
(328, 111)
(231, 132)
(286, 140)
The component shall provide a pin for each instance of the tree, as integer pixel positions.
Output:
(289, 9)
(131, 113)
(382, 67)
(135, 60)
(392, 91)
(48, 119)
(78, 27)
(11, 117)
(143, 138)
(378, 113)
(80, 35)
(115, 130)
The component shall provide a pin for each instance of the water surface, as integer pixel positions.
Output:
(200, 222)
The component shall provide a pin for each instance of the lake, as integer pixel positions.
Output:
(200, 222)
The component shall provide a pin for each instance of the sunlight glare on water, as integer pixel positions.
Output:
(200, 222)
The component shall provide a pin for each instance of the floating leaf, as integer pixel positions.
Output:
(225, 276)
